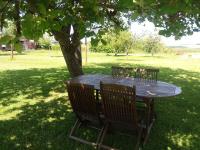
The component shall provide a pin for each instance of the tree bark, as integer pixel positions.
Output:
(17, 18)
(12, 52)
(71, 49)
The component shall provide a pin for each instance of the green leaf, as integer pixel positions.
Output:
(5, 39)
(125, 3)
(103, 42)
(18, 47)
(90, 33)
(94, 42)
(33, 27)
(42, 9)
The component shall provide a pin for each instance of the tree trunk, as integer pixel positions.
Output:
(12, 53)
(126, 52)
(71, 49)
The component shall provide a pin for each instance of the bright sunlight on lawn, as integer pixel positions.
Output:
(35, 112)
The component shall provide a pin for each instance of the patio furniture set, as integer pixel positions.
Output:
(123, 101)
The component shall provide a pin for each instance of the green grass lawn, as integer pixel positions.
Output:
(35, 112)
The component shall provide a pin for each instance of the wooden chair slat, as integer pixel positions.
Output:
(119, 109)
(122, 71)
(84, 104)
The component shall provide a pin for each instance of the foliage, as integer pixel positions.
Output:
(138, 44)
(45, 42)
(9, 29)
(125, 42)
(55, 46)
(7, 37)
(153, 45)
(37, 17)
(115, 42)
(174, 18)
(122, 43)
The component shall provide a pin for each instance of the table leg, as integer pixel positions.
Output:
(151, 117)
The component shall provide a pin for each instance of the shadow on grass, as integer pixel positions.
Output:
(43, 115)
(129, 59)
(8, 53)
(31, 83)
(155, 56)
(124, 55)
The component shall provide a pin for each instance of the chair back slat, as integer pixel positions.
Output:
(82, 99)
(147, 74)
(122, 71)
(119, 104)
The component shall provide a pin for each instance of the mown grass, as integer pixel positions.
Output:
(35, 112)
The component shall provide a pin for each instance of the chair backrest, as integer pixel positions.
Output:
(122, 71)
(82, 99)
(147, 74)
(119, 104)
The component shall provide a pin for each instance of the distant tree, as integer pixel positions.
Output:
(8, 34)
(123, 42)
(9, 29)
(115, 42)
(152, 45)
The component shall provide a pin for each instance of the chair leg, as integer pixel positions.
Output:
(139, 139)
(105, 128)
(147, 132)
(76, 126)
(100, 145)
(148, 112)
(153, 113)
(150, 118)
(99, 136)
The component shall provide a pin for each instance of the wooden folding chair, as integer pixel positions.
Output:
(119, 109)
(147, 75)
(85, 106)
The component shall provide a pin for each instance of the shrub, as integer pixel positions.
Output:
(44, 43)
(116, 42)
(55, 46)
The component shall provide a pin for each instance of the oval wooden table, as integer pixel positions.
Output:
(145, 89)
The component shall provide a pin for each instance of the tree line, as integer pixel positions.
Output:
(126, 42)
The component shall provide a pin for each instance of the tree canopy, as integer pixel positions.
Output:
(174, 17)
(71, 20)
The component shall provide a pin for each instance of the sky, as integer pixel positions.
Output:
(148, 28)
